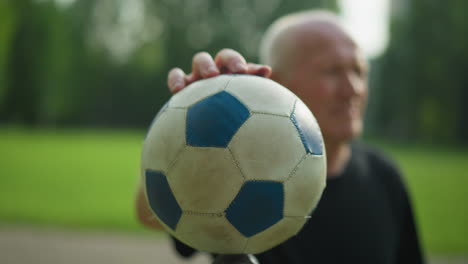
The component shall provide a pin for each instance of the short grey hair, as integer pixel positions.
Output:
(275, 47)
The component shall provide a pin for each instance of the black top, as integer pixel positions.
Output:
(364, 216)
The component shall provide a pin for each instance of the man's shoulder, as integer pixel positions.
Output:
(379, 166)
(374, 156)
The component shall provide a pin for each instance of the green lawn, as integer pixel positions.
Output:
(87, 179)
(437, 178)
(69, 178)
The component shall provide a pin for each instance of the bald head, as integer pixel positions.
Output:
(312, 55)
(290, 36)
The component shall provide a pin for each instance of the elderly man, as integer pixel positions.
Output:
(364, 215)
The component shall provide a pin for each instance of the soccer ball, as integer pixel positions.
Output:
(233, 164)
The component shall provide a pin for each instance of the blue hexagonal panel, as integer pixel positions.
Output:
(214, 120)
(161, 198)
(307, 128)
(257, 206)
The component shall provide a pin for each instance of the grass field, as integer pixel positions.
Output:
(437, 178)
(87, 179)
(69, 178)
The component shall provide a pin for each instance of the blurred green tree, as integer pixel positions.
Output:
(24, 64)
(7, 26)
(421, 83)
(104, 63)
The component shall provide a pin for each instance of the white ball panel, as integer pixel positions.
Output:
(284, 229)
(210, 233)
(304, 189)
(205, 179)
(267, 147)
(199, 90)
(262, 94)
(165, 139)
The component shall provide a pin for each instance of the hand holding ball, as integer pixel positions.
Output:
(233, 164)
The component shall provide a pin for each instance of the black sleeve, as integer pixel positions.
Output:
(183, 250)
(409, 250)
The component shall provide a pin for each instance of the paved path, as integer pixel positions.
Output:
(36, 246)
(45, 246)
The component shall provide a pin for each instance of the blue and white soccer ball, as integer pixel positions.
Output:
(233, 164)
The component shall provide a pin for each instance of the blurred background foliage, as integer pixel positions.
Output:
(104, 63)
(421, 82)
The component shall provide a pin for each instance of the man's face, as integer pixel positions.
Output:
(330, 76)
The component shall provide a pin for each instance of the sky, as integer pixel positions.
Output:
(368, 22)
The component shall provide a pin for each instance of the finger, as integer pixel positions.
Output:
(189, 79)
(259, 69)
(230, 61)
(175, 80)
(203, 66)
